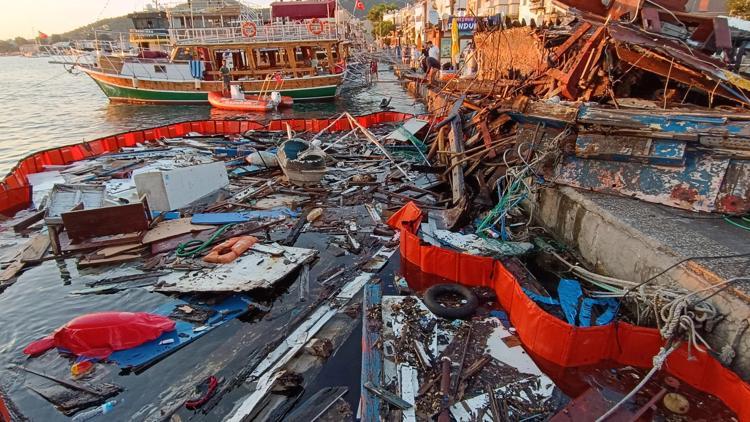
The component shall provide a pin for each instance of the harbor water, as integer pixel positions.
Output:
(44, 106)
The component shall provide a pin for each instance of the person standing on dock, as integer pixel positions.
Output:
(374, 70)
(225, 76)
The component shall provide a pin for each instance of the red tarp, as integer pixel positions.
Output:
(557, 341)
(303, 9)
(98, 335)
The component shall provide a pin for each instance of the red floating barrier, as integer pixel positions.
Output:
(557, 341)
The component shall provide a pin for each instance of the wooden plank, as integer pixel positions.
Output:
(487, 138)
(172, 228)
(28, 221)
(105, 221)
(372, 357)
(9, 272)
(35, 249)
(93, 261)
(457, 173)
(117, 249)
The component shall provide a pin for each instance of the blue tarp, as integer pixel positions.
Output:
(576, 307)
(184, 332)
(240, 217)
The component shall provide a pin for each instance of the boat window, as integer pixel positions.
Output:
(158, 68)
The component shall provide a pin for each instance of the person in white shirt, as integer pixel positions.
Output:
(433, 51)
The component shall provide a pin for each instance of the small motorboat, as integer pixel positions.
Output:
(239, 101)
(216, 99)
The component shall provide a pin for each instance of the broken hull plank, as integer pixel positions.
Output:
(250, 271)
(138, 358)
(372, 359)
(696, 186)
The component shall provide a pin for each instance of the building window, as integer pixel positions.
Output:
(158, 68)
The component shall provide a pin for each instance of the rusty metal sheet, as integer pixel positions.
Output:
(695, 186)
(631, 148)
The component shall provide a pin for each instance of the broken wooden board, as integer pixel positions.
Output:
(91, 261)
(105, 221)
(117, 249)
(97, 243)
(35, 249)
(251, 271)
(172, 228)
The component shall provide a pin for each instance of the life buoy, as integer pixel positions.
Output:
(249, 29)
(315, 26)
(230, 250)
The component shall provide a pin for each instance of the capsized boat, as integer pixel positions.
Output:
(303, 163)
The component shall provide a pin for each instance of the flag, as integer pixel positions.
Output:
(277, 77)
(42, 35)
(359, 5)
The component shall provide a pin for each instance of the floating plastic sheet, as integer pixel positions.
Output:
(97, 335)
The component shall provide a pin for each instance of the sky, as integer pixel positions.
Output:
(25, 17)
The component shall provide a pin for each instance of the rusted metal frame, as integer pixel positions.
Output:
(652, 62)
(574, 37)
(666, 83)
(569, 80)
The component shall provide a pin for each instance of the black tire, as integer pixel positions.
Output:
(466, 310)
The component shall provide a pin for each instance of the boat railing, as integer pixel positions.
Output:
(259, 33)
(160, 36)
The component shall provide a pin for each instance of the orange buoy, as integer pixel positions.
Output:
(230, 249)
(315, 27)
(249, 29)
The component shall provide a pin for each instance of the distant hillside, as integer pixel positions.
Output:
(117, 24)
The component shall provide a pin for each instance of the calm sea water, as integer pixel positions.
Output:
(41, 106)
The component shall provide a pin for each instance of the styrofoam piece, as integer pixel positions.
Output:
(169, 190)
(409, 386)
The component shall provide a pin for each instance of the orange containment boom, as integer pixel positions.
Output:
(557, 341)
(15, 191)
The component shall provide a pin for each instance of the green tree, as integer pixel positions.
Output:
(383, 28)
(375, 14)
(21, 41)
(7, 46)
(739, 8)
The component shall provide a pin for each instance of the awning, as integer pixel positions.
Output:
(303, 9)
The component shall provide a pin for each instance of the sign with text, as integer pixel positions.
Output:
(466, 24)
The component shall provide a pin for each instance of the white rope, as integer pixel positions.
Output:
(658, 361)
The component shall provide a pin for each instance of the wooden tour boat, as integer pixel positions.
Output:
(301, 47)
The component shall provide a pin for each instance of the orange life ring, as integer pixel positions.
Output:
(249, 29)
(315, 26)
(230, 249)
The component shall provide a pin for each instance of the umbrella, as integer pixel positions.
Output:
(455, 49)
